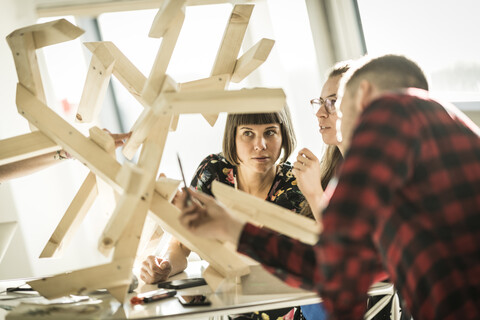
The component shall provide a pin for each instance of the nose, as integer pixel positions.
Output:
(322, 112)
(260, 143)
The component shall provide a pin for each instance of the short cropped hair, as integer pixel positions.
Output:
(235, 120)
(340, 68)
(387, 72)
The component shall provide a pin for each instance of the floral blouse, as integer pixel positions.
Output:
(283, 192)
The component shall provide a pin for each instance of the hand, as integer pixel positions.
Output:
(119, 138)
(206, 217)
(155, 269)
(307, 171)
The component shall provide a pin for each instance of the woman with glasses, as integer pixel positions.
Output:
(313, 176)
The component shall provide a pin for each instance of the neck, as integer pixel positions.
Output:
(255, 183)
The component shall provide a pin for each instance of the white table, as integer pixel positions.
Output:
(259, 291)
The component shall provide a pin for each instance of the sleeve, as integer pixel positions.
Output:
(377, 164)
(205, 174)
(288, 259)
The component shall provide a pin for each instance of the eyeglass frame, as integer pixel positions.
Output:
(329, 103)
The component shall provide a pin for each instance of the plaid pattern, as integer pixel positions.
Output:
(406, 206)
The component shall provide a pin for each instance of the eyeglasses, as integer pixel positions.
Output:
(329, 104)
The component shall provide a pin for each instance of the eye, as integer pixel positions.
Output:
(247, 133)
(270, 132)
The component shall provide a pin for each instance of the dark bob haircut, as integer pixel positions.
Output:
(235, 120)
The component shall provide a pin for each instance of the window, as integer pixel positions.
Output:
(440, 35)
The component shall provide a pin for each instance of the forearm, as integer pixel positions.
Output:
(290, 260)
(316, 204)
(177, 255)
(28, 166)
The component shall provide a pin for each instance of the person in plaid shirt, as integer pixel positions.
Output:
(406, 204)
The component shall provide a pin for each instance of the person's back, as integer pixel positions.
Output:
(427, 228)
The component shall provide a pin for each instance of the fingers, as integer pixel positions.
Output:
(155, 269)
(307, 154)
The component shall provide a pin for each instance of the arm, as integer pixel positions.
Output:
(28, 166)
(156, 269)
(288, 259)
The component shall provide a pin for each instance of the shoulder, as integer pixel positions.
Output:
(285, 191)
(215, 160)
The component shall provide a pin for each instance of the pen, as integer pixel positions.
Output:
(155, 296)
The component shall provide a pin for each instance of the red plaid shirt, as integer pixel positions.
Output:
(407, 205)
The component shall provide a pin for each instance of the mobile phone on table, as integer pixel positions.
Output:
(182, 283)
(194, 300)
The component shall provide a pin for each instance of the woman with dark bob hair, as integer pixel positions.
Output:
(254, 159)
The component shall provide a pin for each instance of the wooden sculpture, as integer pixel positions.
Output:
(138, 193)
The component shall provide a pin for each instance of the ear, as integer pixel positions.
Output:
(365, 94)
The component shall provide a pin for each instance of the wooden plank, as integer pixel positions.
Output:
(24, 41)
(103, 139)
(256, 100)
(232, 39)
(73, 217)
(64, 134)
(156, 78)
(149, 118)
(165, 16)
(49, 33)
(26, 146)
(81, 282)
(224, 261)
(96, 84)
(252, 59)
(218, 82)
(263, 213)
(95, 9)
(124, 70)
(167, 188)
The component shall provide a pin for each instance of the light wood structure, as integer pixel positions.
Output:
(138, 193)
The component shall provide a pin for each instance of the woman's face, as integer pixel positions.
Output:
(258, 146)
(327, 122)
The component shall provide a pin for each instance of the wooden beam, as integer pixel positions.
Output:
(73, 217)
(24, 41)
(263, 213)
(95, 9)
(149, 118)
(156, 78)
(26, 146)
(124, 70)
(165, 16)
(252, 59)
(256, 100)
(96, 84)
(232, 39)
(65, 135)
(224, 261)
(81, 282)
(218, 82)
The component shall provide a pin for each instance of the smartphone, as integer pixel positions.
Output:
(182, 283)
(194, 300)
(152, 296)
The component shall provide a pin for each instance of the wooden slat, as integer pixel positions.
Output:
(164, 17)
(263, 213)
(73, 218)
(124, 70)
(223, 260)
(252, 59)
(25, 146)
(81, 282)
(64, 134)
(256, 100)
